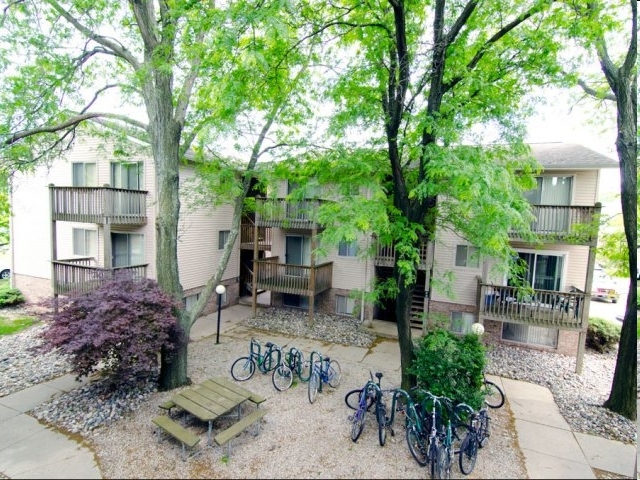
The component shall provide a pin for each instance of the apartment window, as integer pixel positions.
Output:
(84, 174)
(347, 249)
(461, 322)
(529, 334)
(345, 305)
(85, 242)
(467, 256)
(128, 249)
(127, 175)
(223, 236)
(297, 301)
(190, 301)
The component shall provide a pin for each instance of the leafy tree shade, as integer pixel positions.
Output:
(621, 87)
(119, 328)
(418, 79)
(200, 75)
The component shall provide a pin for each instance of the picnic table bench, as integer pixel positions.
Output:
(209, 400)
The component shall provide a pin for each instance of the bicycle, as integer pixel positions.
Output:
(493, 394)
(366, 398)
(243, 368)
(322, 371)
(282, 376)
(476, 438)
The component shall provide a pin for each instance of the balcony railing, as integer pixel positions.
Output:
(248, 235)
(385, 256)
(565, 224)
(99, 205)
(81, 275)
(292, 279)
(282, 213)
(545, 308)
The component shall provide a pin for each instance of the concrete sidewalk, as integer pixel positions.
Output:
(29, 449)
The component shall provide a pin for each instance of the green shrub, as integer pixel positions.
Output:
(10, 297)
(602, 335)
(450, 365)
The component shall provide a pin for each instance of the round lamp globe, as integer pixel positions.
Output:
(477, 328)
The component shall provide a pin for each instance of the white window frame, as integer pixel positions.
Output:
(88, 246)
(530, 335)
(471, 257)
(347, 249)
(461, 322)
(84, 174)
(120, 169)
(223, 236)
(345, 305)
(190, 301)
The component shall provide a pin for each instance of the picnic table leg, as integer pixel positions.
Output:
(209, 430)
(238, 411)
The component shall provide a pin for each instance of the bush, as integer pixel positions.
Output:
(602, 335)
(450, 365)
(119, 328)
(10, 297)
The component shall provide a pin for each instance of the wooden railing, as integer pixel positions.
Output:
(385, 255)
(81, 275)
(281, 213)
(293, 279)
(545, 308)
(98, 205)
(247, 237)
(570, 224)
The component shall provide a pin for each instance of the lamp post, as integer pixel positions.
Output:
(219, 290)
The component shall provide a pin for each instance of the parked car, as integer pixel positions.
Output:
(604, 287)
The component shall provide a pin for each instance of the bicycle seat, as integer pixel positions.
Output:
(268, 344)
(327, 359)
(379, 375)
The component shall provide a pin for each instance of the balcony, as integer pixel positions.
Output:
(293, 279)
(282, 213)
(100, 205)
(248, 234)
(385, 256)
(543, 308)
(565, 224)
(81, 275)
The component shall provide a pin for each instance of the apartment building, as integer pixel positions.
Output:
(551, 315)
(92, 213)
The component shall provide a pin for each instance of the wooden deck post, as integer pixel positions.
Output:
(254, 277)
(312, 276)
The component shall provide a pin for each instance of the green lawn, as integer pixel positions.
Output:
(15, 325)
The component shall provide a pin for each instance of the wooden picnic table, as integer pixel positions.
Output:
(212, 399)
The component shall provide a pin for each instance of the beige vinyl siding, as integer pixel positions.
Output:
(465, 281)
(351, 272)
(198, 252)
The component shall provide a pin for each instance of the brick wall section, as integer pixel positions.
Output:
(567, 339)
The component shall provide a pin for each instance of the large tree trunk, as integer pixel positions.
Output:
(165, 135)
(622, 398)
(403, 319)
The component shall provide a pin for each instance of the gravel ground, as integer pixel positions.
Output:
(298, 439)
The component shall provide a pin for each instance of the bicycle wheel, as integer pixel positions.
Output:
(243, 369)
(282, 378)
(443, 462)
(483, 429)
(468, 453)
(381, 417)
(357, 424)
(314, 382)
(493, 395)
(334, 375)
(434, 447)
(417, 445)
(352, 399)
